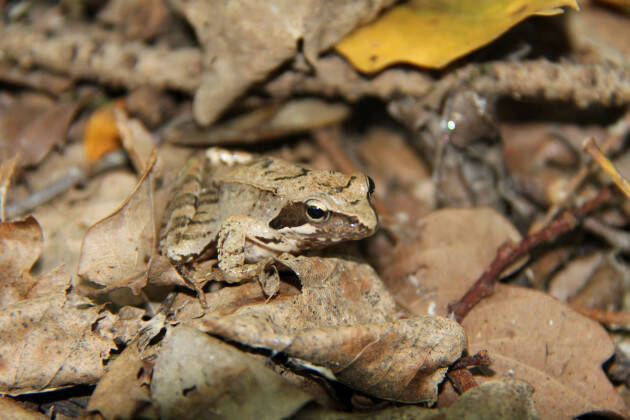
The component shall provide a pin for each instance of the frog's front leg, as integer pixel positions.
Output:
(231, 252)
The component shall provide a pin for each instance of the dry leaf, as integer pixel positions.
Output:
(117, 250)
(265, 123)
(7, 168)
(14, 410)
(236, 47)
(20, 247)
(33, 126)
(533, 337)
(433, 33)
(46, 131)
(123, 390)
(101, 134)
(453, 248)
(344, 321)
(530, 335)
(494, 400)
(198, 376)
(136, 139)
(49, 342)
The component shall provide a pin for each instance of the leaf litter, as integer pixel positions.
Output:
(160, 341)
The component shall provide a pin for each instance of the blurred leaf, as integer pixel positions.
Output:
(264, 123)
(32, 127)
(432, 33)
(101, 134)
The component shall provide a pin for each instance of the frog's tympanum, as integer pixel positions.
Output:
(247, 209)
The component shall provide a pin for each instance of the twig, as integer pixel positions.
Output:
(581, 83)
(73, 176)
(617, 133)
(6, 173)
(481, 358)
(461, 379)
(508, 253)
(460, 376)
(608, 318)
(87, 52)
(591, 147)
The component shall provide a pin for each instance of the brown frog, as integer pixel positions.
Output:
(247, 210)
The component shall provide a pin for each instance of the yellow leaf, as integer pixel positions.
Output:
(432, 33)
(101, 133)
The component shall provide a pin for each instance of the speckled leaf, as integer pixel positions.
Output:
(344, 320)
(532, 336)
(50, 342)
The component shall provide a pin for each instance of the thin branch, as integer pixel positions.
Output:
(74, 176)
(612, 142)
(508, 253)
(461, 379)
(591, 147)
(90, 53)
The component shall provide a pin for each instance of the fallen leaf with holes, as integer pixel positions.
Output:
(264, 123)
(494, 400)
(344, 321)
(533, 337)
(50, 342)
(195, 374)
(452, 249)
(32, 128)
(123, 391)
(432, 34)
(101, 134)
(21, 244)
(116, 251)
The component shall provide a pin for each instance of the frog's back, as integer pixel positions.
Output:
(204, 196)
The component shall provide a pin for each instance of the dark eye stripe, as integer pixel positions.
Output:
(371, 186)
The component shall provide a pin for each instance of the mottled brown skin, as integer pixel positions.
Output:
(249, 209)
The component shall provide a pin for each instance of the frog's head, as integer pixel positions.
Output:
(327, 207)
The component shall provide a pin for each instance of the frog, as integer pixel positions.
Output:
(246, 210)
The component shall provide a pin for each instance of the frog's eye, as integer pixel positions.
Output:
(316, 211)
(371, 185)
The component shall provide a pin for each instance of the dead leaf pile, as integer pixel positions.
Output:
(497, 285)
